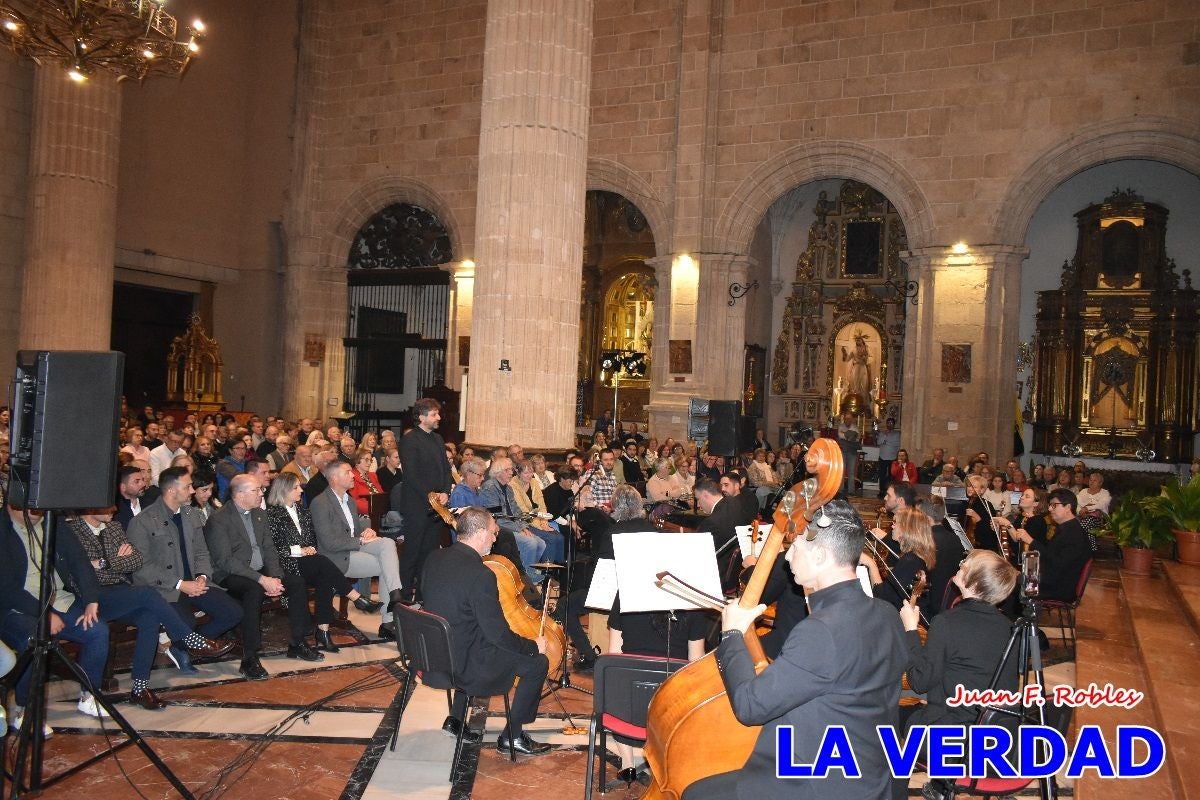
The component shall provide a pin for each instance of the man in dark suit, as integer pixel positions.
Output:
(1064, 556)
(724, 515)
(823, 675)
(426, 470)
(459, 588)
(631, 468)
(347, 539)
(170, 536)
(246, 564)
(735, 485)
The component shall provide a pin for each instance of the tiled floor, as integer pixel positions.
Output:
(321, 731)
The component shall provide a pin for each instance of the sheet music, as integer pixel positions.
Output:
(960, 533)
(743, 537)
(603, 589)
(691, 557)
(940, 491)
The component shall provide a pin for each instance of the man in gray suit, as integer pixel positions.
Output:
(170, 536)
(347, 539)
(246, 564)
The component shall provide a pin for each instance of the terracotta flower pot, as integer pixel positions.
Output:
(1189, 547)
(1137, 560)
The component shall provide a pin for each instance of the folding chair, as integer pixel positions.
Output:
(623, 688)
(423, 640)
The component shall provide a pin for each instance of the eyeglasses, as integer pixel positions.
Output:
(1055, 503)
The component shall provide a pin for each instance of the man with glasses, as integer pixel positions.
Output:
(230, 465)
(426, 471)
(1065, 555)
(822, 674)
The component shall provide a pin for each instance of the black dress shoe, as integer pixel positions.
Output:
(367, 606)
(303, 652)
(253, 670)
(387, 632)
(523, 745)
(147, 699)
(210, 649)
(583, 664)
(452, 726)
(325, 642)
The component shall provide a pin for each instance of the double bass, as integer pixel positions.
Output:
(691, 704)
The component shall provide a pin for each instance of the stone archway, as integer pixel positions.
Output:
(610, 176)
(1170, 141)
(375, 195)
(817, 161)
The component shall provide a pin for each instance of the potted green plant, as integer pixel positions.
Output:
(1138, 533)
(1179, 507)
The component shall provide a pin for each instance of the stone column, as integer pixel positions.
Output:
(71, 227)
(971, 298)
(529, 223)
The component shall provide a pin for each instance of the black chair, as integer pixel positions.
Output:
(623, 688)
(423, 640)
(1065, 612)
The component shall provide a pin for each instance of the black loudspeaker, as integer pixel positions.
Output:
(723, 418)
(65, 412)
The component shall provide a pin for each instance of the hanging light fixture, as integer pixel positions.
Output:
(133, 39)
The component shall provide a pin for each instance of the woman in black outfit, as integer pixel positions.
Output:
(981, 513)
(1030, 518)
(964, 646)
(292, 531)
(913, 533)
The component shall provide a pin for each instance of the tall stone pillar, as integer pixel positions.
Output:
(71, 226)
(529, 223)
(965, 298)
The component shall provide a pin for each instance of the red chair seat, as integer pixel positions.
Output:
(622, 728)
(993, 786)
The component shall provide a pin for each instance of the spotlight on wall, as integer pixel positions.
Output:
(959, 248)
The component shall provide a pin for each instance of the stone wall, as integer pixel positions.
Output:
(16, 85)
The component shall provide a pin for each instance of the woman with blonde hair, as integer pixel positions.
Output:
(912, 531)
(980, 514)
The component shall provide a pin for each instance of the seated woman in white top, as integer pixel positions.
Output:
(1095, 499)
(761, 474)
(665, 485)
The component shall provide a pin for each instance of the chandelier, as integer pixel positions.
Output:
(130, 38)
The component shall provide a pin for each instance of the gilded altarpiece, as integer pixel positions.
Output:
(841, 344)
(1115, 366)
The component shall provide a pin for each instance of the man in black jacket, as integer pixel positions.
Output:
(459, 588)
(1064, 556)
(631, 468)
(724, 515)
(426, 470)
(824, 679)
(75, 614)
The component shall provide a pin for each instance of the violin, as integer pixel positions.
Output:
(442, 510)
(918, 589)
(692, 704)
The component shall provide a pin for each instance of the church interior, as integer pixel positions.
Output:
(979, 219)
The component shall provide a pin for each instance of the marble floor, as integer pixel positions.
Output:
(322, 731)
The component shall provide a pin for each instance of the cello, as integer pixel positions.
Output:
(692, 703)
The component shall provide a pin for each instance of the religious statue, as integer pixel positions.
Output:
(858, 370)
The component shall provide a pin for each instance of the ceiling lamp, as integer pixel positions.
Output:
(130, 38)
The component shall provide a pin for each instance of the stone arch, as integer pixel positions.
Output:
(1170, 141)
(813, 161)
(371, 198)
(611, 176)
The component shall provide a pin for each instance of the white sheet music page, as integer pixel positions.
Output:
(691, 557)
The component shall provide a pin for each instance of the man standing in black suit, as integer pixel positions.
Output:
(426, 470)
(459, 588)
(824, 676)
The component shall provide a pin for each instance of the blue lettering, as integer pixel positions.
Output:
(946, 742)
(1127, 738)
(1044, 741)
(902, 762)
(835, 752)
(1090, 753)
(989, 746)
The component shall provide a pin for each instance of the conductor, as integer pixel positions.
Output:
(459, 588)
